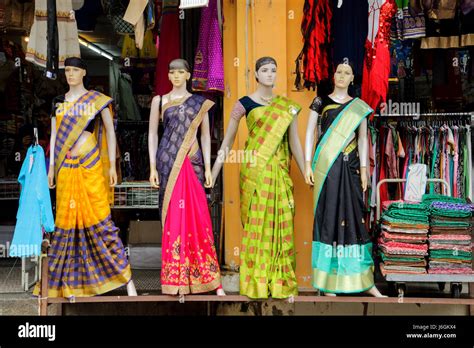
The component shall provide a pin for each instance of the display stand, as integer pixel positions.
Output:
(398, 281)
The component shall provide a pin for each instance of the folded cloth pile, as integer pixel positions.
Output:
(450, 240)
(403, 239)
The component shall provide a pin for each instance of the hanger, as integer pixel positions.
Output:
(35, 134)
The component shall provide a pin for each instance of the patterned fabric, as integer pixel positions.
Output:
(189, 262)
(267, 257)
(208, 73)
(66, 29)
(341, 249)
(87, 257)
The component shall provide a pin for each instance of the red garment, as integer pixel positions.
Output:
(169, 49)
(377, 57)
(316, 30)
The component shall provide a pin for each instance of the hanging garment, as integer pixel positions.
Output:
(409, 23)
(135, 16)
(144, 58)
(267, 256)
(349, 33)
(87, 256)
(208, 72)
(448, 27)
(189, 260)
(87, 15)
(34, 214)
(315, 56)
(341, 248)
(169, 48)
(377, 57)
(67, 42)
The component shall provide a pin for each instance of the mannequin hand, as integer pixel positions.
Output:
(363, 178)
(209, 182)
(51, 178)
(308, 174)
(112, 176)
(154, 179)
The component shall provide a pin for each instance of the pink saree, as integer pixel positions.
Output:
(189, 259)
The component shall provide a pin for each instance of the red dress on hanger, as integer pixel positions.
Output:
(377, 55)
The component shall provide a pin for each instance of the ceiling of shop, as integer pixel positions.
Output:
(104, 37)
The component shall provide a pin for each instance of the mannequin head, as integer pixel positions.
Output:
(343, 76)
(179, 72)
(265, 71)
(75, 70)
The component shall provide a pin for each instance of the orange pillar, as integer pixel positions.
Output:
(264, 28)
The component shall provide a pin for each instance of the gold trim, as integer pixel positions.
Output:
(172, 103)
(467, 40)
(188, 289)
(183, 151)
(352, 116)
(343, 283)
(351, 147)
(440, 42)
(88, 291)
(329, 107)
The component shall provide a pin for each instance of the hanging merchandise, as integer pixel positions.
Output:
(35, 214)
(409, 22)
(443, 146)
(450, 24)
(313, 61)
(53, 36)
(169, 46)
(115, 10)
(144, 58)
(16, 14)
(377, 55)
(135, 16)
(87, 14)
(349, 32)
(208, 72)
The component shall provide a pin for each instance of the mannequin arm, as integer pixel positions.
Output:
(363, 145)
(153, 140)
(206, 149)
(52, 144)
(226, 145)
(295, 145)
(111, 144)
(309, 144)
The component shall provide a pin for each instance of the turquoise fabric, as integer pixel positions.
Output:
(343, 260)
(34, 212)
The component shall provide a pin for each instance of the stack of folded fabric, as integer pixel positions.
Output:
(403, 240)
(450, 241)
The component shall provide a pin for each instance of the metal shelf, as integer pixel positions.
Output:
(135, 195)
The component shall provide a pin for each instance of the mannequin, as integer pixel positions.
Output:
(83, 167)
(341, 255)
(176, 167)
(267, 205)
